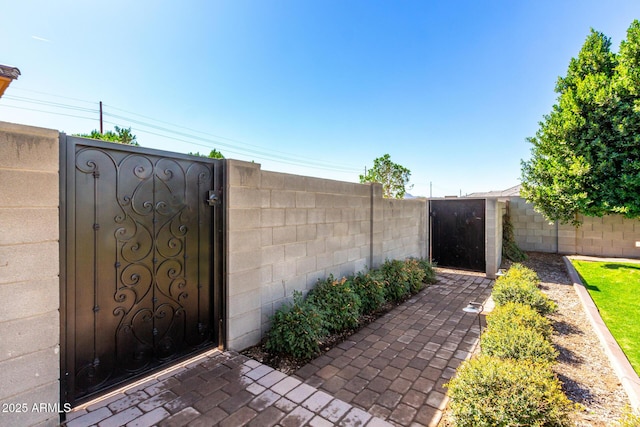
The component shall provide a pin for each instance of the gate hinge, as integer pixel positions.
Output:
(214, 197)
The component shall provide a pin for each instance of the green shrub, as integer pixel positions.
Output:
(519, 272)
(520, 285)
(514, 341)
(338, 301)
(396, 280)
(370, 289)
(488, 392)
(415, 275)
(513, 313)
(296, 329)
(429, 272)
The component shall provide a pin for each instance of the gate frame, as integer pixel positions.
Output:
(495, 207)
(219, 308)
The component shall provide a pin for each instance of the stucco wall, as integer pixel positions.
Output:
(287, 231)
(611, 236)
(29, 268)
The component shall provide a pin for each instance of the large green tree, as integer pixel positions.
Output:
(392, 176)
(586, 153)
(121, 136)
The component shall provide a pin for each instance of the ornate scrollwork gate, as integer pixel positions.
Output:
(141, 262)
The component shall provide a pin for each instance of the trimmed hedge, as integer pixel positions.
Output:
(517, 342)
(296, 329)
(338, 302)
(370, 289)
(514, 313)
(336, 305)
(520, 285)
(488, 391)
(511, 382)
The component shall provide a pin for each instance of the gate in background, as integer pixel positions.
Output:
(458, 233)
(141, 262)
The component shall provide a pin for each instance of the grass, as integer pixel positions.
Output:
(615, 289)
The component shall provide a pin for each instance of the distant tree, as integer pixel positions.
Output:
(214, 154)
(121, 136)
(392, 176)
(586, 153)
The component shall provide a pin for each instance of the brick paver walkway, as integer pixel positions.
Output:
(389, 373)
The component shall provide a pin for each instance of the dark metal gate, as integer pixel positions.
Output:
(458, 233)
(141, 271)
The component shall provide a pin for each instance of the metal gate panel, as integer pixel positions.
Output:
(141, 283)
(458, 233)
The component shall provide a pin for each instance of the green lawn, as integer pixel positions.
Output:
(615, 288)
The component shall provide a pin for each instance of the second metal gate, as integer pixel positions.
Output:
(141, 275)
(458, 233)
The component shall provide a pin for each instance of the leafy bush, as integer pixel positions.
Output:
(396, 280)
(415, 275)
(370, 289)
(513, 313)
(514, 341)
(488, 391)
(519, 272)
(338, 302)
(296, 329)
(520, 285)
(429, 272)
(402, 278)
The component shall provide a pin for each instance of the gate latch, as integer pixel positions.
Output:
(213, 199)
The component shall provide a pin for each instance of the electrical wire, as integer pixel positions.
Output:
(209, 141)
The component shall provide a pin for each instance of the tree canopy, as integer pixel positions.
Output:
(392, 176)
(121, 136)
(586, 152)
(214, 154)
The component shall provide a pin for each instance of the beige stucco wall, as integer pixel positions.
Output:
(611, 236)
(29, 268)
(287, 231)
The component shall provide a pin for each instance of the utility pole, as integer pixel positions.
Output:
(101, 118)
(430, 189)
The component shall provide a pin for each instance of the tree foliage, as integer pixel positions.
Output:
(586, 153)
(121, 136)
(214, 154)
(392, 176)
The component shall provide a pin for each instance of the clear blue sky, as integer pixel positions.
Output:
(450, 89)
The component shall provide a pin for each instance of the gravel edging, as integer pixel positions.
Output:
(623, 369)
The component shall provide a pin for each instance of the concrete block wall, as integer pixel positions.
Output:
(532, 231)
(287, 231)
(29, 269)
(609, 236)
(405, 233)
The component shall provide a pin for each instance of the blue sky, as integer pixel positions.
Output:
(450, 89)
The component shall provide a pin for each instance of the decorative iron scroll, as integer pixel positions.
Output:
(142, 265)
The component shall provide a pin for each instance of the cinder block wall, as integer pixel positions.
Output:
(29, 268)
(287, 231)
(610, 236)
(532, 231)
(405, 231)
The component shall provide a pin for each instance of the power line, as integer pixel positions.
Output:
(207, 142)
(48, 112)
